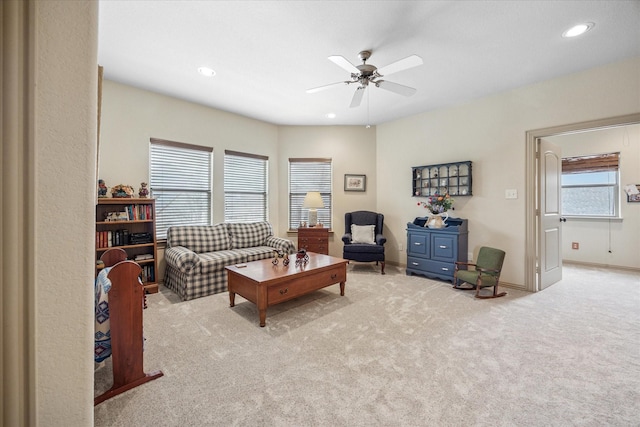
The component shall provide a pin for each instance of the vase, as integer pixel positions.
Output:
(437, 220)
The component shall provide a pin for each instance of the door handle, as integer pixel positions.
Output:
(563, 219)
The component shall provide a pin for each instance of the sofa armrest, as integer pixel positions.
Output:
(181, 258)
(281, 244)
(346, 238)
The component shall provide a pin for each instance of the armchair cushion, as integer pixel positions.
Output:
(362, 234)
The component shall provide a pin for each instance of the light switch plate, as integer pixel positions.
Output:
(511, 194)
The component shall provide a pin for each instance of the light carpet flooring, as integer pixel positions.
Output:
(396, 350)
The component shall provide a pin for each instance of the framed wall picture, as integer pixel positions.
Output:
(355, 182)
(633, 193)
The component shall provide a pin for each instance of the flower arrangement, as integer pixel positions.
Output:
(122, 190)
(438, 204)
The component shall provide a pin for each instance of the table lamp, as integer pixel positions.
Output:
(313, 201)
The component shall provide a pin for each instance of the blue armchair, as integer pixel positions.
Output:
(363, 239)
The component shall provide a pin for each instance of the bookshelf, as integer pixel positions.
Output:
(129, 224)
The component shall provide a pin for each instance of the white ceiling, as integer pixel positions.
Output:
(267, 53)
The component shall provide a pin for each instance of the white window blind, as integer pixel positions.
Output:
(180, 180)
(245, 187)
(309, 175)
(590, 186)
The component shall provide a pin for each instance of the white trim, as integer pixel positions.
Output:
(531, 194)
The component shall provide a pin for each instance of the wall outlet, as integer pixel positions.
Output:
(511, 194)
(400, 246)
(575, 245)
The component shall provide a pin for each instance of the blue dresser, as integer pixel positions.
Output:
(432, 252)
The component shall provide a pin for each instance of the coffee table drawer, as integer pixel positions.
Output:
(304, 285)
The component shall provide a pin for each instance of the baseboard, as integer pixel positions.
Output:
(593, 264)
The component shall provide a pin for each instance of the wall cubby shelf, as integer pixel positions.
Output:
(431, 180)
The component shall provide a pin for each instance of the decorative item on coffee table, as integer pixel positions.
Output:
(302, 257)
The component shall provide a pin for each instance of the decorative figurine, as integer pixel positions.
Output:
(102, 188)
(122, 191)
(275, 258)
(143, 192)
(285, 261)
(302, 257)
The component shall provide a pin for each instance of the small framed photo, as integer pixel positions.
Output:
(633, 193)
(355, 182)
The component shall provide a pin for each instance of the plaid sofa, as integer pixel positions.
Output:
(196, 255)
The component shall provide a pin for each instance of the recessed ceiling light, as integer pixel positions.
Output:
(205, 71)
(331, 115)
(579, 29)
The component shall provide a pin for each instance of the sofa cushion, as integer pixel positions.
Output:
(201, 238)
(218, 260)
(248, 235)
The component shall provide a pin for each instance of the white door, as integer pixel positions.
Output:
(549, 219)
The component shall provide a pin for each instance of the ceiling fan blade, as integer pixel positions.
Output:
(403, 64)
(357, 97)
(396, 88)
(329, 86)
(342, 62)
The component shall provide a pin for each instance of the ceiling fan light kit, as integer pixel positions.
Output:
(365, 74)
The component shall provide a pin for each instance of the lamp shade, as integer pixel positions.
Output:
(313, 200)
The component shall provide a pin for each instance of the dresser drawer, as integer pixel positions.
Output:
(314, 239)
(441, 268)
(443, 248)
(418, 244)
(304, 285)
(430, 268)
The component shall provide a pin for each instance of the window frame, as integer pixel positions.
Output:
(594, 163)
(229, 154)
(156, 190)
(325, 215)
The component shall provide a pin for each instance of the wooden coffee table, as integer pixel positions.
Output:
(265, 284)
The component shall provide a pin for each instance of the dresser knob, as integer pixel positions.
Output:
(417, 243)
(415, 263)
(443, 247)
(445, 269)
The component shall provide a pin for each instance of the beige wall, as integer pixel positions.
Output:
(130, 117)
(596, 236)
(352, 150)
(65, 117)
(491, 133)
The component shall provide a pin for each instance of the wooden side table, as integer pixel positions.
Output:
(314, 239)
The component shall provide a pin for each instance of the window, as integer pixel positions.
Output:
(245, 187)
(590, 186)
(309, 175)
(180, 180)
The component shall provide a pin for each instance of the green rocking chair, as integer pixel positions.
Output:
(484, 274)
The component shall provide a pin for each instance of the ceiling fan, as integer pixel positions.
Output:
(366, 74)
